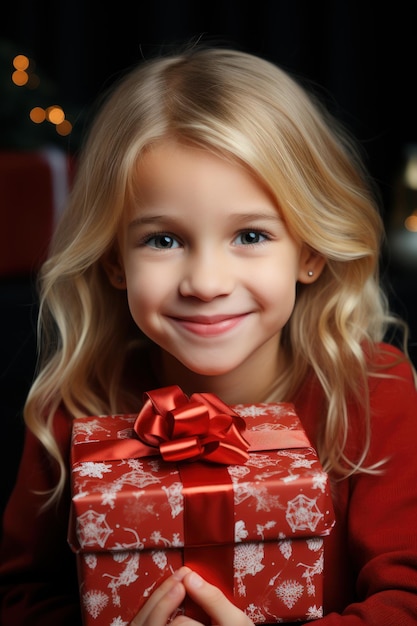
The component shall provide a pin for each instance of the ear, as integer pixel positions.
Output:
(113, 266)
(311, 265)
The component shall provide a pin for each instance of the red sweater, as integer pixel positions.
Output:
(371, 554)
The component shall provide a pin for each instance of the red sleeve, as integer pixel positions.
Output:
(376, 558)
(38, 579)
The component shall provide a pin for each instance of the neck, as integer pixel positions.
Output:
(240, 386)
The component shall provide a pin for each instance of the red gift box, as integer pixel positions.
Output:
(260, 522)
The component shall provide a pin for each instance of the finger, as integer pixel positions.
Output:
(163, 602)
(214, 602)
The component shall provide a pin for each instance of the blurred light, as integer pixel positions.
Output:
(64, 128)
(55, 114)
(410, 174)
(20, 78)
(21, 62)
(37, 115)
(24, 74)
(402, 234)
(411, 222)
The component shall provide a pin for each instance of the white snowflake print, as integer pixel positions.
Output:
(248, 559)
(90, 559)
(92, 469)
(240, 531)
(254, 614)
(302, 513)
(119, 557)
(118, 621)
(92, 529)
(127, 577)
(138, 476)
(314, 612)
(176, 541)
(138, 507)
(261, 460)
(260, 528)
(125, 433)
(315, 544)
(282, 409)
(175, 498)
(237, 472)
(95, 602)
(261, 497)
(291, 478)
(160, 559)
(289, 592)
(155, 464)
(88, 428)
(157, 537)
(123, 548)
(312, 570)
(320, 481)
(252, 410)
(109, 493)
(264, 408)
(285, 547)
(301, 461)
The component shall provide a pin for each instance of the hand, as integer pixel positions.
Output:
(171, 593)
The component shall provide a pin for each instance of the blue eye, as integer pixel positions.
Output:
(250, 237)
(162, 242)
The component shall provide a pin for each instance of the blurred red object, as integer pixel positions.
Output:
(33, 188)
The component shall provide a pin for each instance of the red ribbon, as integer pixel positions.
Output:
(201, 427)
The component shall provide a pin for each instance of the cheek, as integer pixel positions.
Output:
(146, 292)
(276, 294)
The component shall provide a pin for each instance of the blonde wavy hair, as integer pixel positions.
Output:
(246, 109)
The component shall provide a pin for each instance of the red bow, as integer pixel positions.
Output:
(199, 427)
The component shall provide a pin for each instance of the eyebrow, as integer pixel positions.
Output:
(241, 217)
(140, 221)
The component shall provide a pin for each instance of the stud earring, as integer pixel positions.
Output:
(310, 273)
(119, 279)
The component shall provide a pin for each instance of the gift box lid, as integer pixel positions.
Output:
(281, 491)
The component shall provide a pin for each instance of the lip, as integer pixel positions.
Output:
(210, 326)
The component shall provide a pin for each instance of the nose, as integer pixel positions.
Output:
(206, 275)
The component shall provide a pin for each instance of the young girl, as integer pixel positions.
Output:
(222, 236)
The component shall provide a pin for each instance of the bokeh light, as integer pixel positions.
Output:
(55, 114)
(37, 115)
(20, 78)
(21, 62)
(64, 128)
(24, 75)
(411, 222)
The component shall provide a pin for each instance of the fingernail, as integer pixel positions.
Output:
(195, 580)
(178, 574)
(181, 572)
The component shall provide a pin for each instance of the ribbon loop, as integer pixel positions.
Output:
(201, 427)
(191, 418)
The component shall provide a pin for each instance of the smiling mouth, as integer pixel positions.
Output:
(210, 326)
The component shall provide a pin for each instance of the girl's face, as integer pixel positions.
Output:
(209, 266)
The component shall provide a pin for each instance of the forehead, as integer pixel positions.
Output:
(171, 165)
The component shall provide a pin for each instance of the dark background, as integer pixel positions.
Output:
(359, 56)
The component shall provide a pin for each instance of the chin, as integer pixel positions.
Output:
(202, 369)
